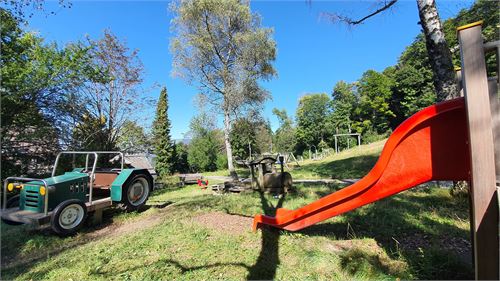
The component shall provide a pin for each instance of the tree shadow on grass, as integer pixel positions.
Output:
(161, 263)
(267, 263)
(17, 239)
(433, 247)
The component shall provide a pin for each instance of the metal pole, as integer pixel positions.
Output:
(86, 162)
(5, 194)
(55, 164)
(46, 201)
(123, 160)
(92, 178)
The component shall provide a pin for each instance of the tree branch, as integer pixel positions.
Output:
(334, 17)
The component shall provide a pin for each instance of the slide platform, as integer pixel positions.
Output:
(430, 145)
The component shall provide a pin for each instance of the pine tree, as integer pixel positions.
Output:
(161, 136)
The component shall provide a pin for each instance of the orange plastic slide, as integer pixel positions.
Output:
(430, 145)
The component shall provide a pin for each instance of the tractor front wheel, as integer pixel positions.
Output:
(68, 217)
(136, 193)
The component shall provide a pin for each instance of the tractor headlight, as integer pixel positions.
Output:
(42, 190)
(10, 187)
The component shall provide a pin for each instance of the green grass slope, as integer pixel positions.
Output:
(418, 234)
(351, 163)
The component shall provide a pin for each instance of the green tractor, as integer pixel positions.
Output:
(65, 200)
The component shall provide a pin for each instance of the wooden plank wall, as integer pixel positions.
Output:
(483, 176)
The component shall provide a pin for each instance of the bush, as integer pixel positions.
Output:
(202, 154)
(371, 136)
(221, 162)
(460, 189)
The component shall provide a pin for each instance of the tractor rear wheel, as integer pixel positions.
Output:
(136, 193)
(12, 202)
(68, 217)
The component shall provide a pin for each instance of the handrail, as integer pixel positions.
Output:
(87, 153)
(46, 196)
(95, 153)
(491, 46)
(94, 166)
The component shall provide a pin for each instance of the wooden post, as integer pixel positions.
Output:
(254, 184)
(97, 217)
(483, 189)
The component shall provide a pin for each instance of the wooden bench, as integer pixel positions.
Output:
(189, 179)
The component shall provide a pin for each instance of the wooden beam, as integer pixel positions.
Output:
(495, 119)
(483, 187)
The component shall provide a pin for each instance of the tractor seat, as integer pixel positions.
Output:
(103, 180)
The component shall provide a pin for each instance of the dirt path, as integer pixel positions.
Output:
(219, 221)
(119, 229)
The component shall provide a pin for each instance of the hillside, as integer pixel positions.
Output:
(350, 163)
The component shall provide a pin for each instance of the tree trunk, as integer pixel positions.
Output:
(438, 51)
(442, 65)
(229, 150)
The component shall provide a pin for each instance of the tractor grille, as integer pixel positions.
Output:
(31, 198)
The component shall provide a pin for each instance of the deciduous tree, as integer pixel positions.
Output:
(374, 99)
(284, 137)
(112, 93)
(206, 143)
(312, 120)
(221, 47)
(344, 100)
(133, 139)
(38, 88)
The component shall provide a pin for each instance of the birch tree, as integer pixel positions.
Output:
(437, 48)
(220, 47)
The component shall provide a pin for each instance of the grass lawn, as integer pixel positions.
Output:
(418, 234)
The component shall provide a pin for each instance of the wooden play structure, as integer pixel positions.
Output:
(454, 140)
(337, 136)
(266, 178)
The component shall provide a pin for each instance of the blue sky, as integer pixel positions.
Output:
(312, 56)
